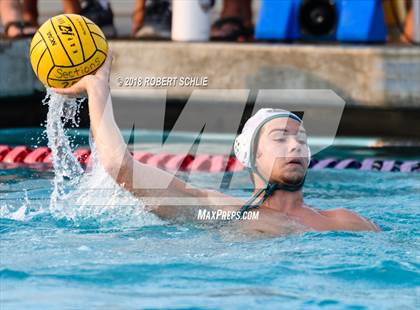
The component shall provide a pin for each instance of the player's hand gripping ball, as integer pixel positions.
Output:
(66, 48)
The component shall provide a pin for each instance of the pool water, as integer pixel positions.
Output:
(120, 257)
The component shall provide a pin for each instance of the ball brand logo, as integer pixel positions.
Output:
(76, 72)
(66, 30)
(51, 38)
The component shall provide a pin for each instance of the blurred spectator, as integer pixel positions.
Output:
(399, 19)
(30, 10)
(408, 35)
(100, 12)
(235, 23)
(152, 19)
(22, 20)
(15, 26)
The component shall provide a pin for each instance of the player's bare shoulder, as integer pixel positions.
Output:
(348, 220)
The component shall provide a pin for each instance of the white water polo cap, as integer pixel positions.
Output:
(244, 143)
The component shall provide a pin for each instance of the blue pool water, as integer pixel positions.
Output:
(123, 259)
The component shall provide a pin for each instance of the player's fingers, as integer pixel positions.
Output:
(70, 93)
(62, 91)
(78, 89)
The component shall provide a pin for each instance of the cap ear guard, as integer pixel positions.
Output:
(242, 149)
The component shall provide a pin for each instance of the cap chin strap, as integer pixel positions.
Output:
(268, 191)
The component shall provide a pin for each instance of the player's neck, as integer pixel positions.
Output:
(284, 201)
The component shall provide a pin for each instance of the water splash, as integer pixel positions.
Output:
(90, 197)
(21, 209)
(61, 110)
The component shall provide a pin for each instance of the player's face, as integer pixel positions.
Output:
(282, 152)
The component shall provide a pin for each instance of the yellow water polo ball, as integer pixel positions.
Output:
(66, 48)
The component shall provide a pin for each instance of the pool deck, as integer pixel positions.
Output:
(368, 76)
(380, 79)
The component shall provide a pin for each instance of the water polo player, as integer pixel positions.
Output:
(272, 145)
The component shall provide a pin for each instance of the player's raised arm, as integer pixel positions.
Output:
(161, 190)
(109, 142)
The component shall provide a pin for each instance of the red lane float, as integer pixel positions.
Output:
(204, 162)
(179, 162)
(142, 157)
(16, 155)
(82, 155)
(37, 155)
(4, 150)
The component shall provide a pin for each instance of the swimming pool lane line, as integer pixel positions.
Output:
(23, 155)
